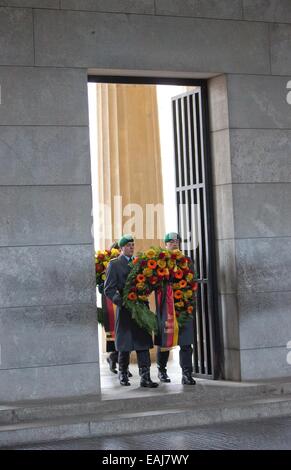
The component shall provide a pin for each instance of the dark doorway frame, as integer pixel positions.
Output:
(215, 329)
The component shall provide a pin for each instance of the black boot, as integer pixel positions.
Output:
(112, 365)
(129, 373)
(145, 380)
(123, 378)
(163, 376)
(187, 378)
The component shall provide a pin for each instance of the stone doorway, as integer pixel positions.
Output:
(133, 147)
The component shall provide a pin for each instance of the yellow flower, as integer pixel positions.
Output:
(189, 277)
(166, 272)
(161, 263)
(105, 264)
(147, 272)
(140, 286)
(103, 277)
(176, 285)
(179, 304)
(143, 297)
(114, 252)
(178, 253)
(167, 254)
(188, 294)
(171, 263)
(151, 253)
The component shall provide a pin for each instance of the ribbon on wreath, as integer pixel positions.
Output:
(109, 317)
(168, 329)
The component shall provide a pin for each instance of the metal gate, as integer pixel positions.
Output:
(195, 222)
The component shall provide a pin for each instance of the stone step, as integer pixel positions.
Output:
(108, 424)
(137, 399)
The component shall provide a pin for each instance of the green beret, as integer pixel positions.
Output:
(125, 239)
(171, 236)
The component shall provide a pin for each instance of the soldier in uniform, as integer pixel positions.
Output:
(128, 335)
(108, 317)
(186, 334)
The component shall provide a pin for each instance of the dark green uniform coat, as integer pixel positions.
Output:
(128, 335)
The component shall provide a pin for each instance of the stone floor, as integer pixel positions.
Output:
(111, 388)
(271, 433)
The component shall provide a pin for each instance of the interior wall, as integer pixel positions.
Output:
(47, 295)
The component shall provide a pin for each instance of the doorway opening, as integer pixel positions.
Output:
(151, 174)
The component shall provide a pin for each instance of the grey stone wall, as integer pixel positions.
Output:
(225, 226)
(48, 332)
(260, 120)
(48, 328)
(250, 130)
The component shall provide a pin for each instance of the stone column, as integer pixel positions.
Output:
(48, 327)
(130, 162)
(251, 137)
(224, 226)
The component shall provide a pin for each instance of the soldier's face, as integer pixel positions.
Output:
(128, 249)
(173, 244)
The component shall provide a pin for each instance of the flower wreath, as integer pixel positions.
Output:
(102, 258)
(153, 270)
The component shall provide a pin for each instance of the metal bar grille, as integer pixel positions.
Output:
(193, 191)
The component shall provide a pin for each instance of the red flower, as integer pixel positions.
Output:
(178, 294)
(179, 274)
(161, 272)
(152, 264)
(132, 296)
(143, 263)
(140, 278)
(162, 255)
(173, 256)
(99, 268)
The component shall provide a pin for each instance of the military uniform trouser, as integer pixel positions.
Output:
(114, 356)
(143, 359)
(185, 358)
